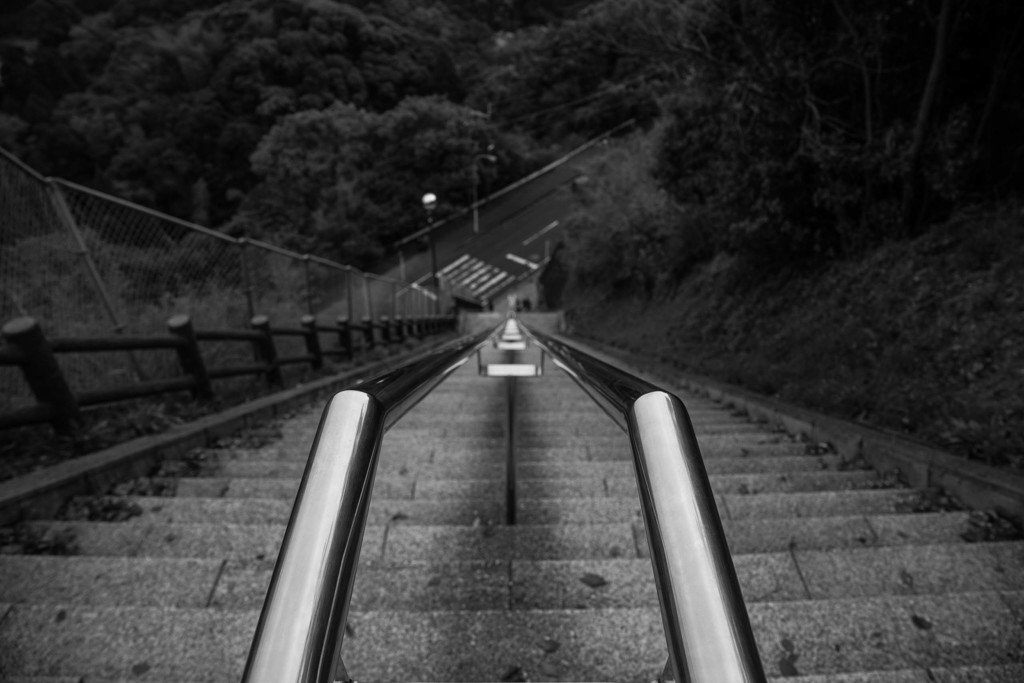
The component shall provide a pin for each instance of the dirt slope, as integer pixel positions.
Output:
(923, 337)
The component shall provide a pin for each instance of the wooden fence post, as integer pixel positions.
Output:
(189, 355)
(266, 351)
(345, 336)
(368, 332)
(313, 341)
(42, 372)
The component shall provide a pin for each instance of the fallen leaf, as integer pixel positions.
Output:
(140, 668)
(549, 645)
(593, 580)
(515, 674)
(921, 622)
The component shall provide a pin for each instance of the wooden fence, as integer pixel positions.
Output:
(25, 345)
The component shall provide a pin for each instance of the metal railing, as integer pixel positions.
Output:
(706, 623)
(301, 628)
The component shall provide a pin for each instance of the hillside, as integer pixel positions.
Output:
(316, 124)
(923, 337)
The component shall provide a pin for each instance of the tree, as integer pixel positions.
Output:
(350, 180)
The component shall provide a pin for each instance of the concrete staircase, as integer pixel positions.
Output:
(845, 578)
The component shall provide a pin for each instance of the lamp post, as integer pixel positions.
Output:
(476, 181)
(429, 204)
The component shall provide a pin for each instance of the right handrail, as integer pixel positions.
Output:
(299, 635)
(706, 623)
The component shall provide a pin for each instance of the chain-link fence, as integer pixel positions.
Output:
(84, 264)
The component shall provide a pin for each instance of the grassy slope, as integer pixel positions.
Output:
(923, 337)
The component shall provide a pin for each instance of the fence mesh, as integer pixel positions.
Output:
(153, 267)
(44, 273)
(86, 264)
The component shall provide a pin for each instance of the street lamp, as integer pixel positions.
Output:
(429, 204)
(476, 181)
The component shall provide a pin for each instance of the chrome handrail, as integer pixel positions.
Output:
(301, 628)
(706, 623)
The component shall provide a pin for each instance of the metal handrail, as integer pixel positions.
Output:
(302, 625)
(706, 623)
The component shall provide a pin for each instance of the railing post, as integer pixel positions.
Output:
(348, 294)
(309, 283)
(313, 341)
(243, 248)
(369, 336)
(42, 372)
(266, 351)
(345, 336)
(385, 330)
(189, 355)
(400, 329)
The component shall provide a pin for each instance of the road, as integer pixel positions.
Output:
(517, 232)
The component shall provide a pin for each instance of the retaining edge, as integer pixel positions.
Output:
(919, 465)
(41, 493)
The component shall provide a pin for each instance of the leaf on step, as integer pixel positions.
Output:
(787, 662)
(593, 580)
(921, 622)
(550, 645)
(349, 631)
(399, 516)
(140, 668)
(62, 615)
(515, 674)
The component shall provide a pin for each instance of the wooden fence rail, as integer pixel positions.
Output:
(25, 346)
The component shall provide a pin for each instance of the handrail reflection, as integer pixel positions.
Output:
(302, 625)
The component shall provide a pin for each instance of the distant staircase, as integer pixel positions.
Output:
(163, 579)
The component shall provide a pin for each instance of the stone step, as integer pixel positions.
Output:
(730, 506)
(472, 466)
(397, 487)
(400, 543)
(582, 452)
(456, 451)
(1008, 673)
(795, 638)
(607, 429)
(714, 441)
(169, 510)
(516, 584)
(488, 511)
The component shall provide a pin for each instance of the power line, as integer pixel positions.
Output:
(593, 96)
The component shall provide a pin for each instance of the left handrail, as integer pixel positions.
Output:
(302, 625)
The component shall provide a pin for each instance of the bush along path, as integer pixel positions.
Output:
(844, 572)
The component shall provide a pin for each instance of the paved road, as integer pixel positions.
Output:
(517, 231)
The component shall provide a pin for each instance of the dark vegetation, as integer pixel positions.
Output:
(34, 447)
(311, 123)
(828, 211)
(823, 201)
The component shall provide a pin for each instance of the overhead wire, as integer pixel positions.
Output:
(582, 100)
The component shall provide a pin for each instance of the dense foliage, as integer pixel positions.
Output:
(184, 106)
(809, 130)
(791, 131)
